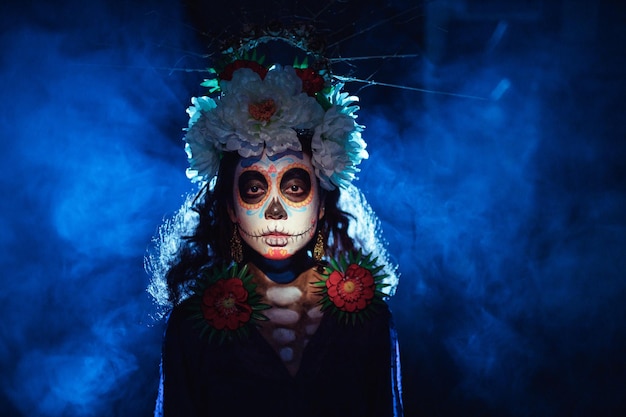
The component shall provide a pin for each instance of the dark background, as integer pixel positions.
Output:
(506, 211)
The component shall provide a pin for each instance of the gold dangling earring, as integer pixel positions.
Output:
(236, 249)
(319, 249)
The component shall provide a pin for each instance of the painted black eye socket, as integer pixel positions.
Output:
(296, 185)
(252, 186)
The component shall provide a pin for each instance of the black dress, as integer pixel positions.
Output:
(346, 370)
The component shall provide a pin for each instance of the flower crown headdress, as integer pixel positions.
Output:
(258, 108)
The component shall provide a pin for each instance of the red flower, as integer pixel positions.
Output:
(312, 82)
(224, 304)
(262, 111)
(353, 290)
(227, 74)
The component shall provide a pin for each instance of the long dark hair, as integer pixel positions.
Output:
(210, 243)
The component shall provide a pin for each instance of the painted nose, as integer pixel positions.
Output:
(275, 211)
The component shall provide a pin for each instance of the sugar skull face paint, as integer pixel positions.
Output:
(276, 203)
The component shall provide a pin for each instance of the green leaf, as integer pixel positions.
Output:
(377, 269)
(213, 84)
(335, 265)
(343, 263)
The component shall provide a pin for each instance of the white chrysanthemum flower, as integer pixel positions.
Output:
(254, 114)
(337, 146)
(201, 152)
(199, 105)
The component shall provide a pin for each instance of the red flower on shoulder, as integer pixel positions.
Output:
(227, 73)
(225, 304)
(312, 82)
(351, 286)
(353, 290)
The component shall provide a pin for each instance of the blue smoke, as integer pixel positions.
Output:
(91, 162)
(508, 220)
(507, 216)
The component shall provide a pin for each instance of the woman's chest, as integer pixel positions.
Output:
(293, 317)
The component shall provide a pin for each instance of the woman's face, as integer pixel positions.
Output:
(276, 203)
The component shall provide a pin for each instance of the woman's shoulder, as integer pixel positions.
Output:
(179, 318)
(180, 311)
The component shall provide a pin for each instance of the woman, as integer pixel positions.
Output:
(277, 312)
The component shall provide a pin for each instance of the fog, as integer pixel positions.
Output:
(503, 202)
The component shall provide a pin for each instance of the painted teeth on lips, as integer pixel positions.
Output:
(276, 239)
